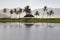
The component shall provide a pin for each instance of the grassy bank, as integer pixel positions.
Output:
(51, 20)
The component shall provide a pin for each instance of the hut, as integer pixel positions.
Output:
(29, 15)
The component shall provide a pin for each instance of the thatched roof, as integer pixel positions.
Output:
(29, 15)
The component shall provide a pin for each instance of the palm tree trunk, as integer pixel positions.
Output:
(19, 15)
(50, 18)
(36, 16)
(43, 15)
(10, 15)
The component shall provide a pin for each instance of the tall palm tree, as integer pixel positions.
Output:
(27, 10)
(4, 10)
(15, 11)
(11, 12)
(37, 13)
(44, 9)
(50, 13)
(20, 11)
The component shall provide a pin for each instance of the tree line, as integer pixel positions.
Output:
(27, 10)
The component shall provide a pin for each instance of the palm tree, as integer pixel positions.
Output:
(27, 10)
(44, 9)
(11, 11)
(15, 11)
(51, 13)
(47, 14)
(20, 11)
(4, 10)
(37, 13)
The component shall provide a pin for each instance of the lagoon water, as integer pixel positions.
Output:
(29, 31)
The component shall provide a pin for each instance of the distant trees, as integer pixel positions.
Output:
(20, 11)
(37, 13)
(47, 14)
(15, 11)
(51, 12)
(44, 9)
(27, 10)
(11, 12)
(4, 10)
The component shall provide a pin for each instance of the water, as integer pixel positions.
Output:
(29, 31)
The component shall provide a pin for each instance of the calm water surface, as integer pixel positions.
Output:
(29, 31)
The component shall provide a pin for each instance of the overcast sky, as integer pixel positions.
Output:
(33, 3)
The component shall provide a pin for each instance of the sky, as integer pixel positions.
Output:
(34, 4)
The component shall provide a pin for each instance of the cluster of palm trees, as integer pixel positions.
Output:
(27, 10)
(49, 13)
(15, 11)
(45, 9)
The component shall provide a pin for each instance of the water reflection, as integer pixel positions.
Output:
(29, 31)
(37, 25)
(28, 25)
(4, 25)
(50, 25)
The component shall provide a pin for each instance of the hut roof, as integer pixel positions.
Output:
(29, 15)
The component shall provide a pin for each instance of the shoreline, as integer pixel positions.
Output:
(32, 20)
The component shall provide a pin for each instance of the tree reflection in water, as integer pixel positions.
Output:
(5, 25)
(50, 25)
(48, 29)
(28, 25)
(27, 30)
(37, 25)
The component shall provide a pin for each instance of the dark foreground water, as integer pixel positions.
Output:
(29, 31)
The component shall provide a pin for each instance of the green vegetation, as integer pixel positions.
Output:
(34, 20)
(28, 12)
